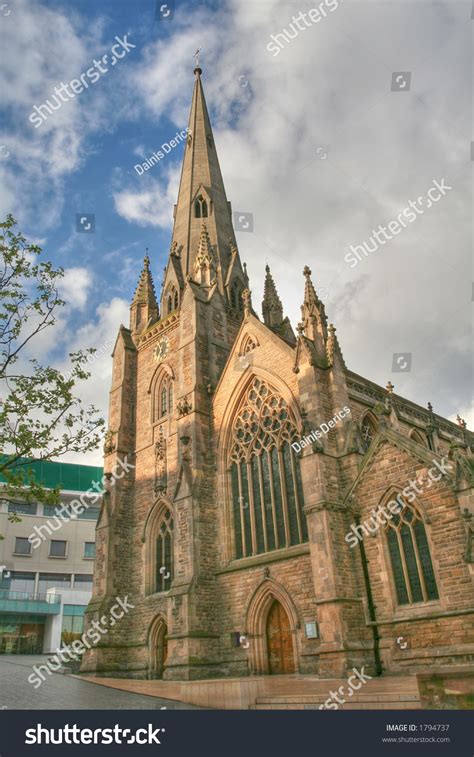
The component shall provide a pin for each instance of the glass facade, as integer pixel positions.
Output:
(18, 581)
(90, 513)
(21, 634)
(83, 581)
(73, 619)
(53, 580)
(22, 508)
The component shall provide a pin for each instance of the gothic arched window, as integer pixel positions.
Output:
(412, 569)
(164, 400)
(417, 437)
(267, 492)
(200, 207)
(164, 553)
(236, 297)
(163, 404)
(368, 430)
(172, 300)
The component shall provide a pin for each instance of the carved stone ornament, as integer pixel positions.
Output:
(109, 442)
(183, 407)
(469, 525)
(160, 464)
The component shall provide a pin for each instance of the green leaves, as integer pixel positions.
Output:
(40, 415)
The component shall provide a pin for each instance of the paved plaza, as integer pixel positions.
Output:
(62, 692)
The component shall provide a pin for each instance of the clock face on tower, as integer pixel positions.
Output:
(161, 349)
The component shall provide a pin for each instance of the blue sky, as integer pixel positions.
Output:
(313, 141)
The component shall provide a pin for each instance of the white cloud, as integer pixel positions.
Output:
(75, 285)
(152, 206)
(41, 48)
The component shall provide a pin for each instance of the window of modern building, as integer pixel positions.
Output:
(83, 581)
(22, 546)
(62, 508)
(53, 581)
(89, 550)
(22, 508)
(90, 513)
(73, 618)
(18, 581)
(57, 548)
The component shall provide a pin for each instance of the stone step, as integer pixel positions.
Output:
(319, 698)
(394, 705)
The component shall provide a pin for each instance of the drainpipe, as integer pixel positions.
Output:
(370, 601)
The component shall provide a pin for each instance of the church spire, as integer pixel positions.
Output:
(201, 197)
(272, 308)
(144, 307)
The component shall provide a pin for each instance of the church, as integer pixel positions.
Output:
(283, 514)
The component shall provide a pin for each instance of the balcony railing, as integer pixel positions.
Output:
(25, 602)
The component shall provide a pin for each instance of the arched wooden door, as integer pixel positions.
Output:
(281, 658)
(158, 648)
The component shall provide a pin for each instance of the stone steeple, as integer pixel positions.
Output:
(144, 308)
(272, 308)
(202, 197)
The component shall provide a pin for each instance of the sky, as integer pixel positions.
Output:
(323, 135)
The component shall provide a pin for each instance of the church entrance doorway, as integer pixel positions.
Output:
(157, 648)
(281, 657)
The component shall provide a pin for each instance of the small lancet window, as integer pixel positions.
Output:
(200, 207)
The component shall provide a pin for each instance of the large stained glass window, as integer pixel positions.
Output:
(410, 558)
(266, 487)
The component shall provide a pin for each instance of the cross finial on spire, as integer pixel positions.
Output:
(390, 387)
(146, 259)
(196, 55)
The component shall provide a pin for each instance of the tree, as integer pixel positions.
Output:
(40, 416)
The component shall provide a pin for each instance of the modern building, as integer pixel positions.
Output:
(284, 514)
(46, 561)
